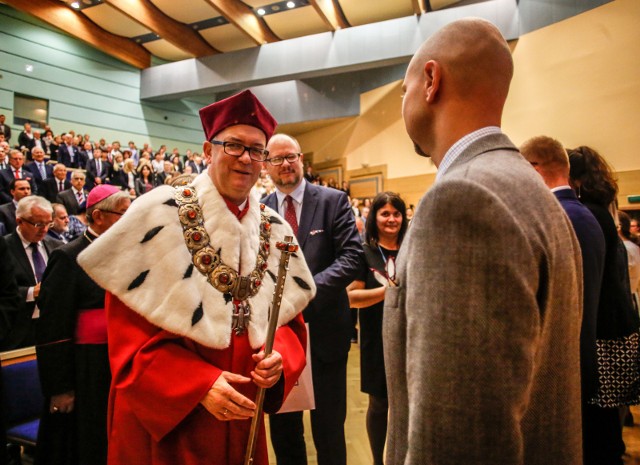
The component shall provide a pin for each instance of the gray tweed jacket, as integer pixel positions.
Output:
(482, 334)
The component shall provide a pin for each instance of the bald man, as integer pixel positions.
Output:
(482, 333)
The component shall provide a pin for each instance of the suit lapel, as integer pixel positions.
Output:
(23, 259)
(309, 204)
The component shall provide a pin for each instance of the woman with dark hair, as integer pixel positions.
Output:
(385, 229)
(633, 256)
(596, 187)
(146, 179)
(177, 163)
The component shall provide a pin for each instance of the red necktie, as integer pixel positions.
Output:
(17, 174)
(290, 214)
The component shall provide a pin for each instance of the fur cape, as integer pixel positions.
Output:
(143, 260)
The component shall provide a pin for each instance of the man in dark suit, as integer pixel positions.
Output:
(55, 184)
(550, 160)
(326, 230)
(197, 165)
(19, 189)
(40, 170)
(98, 170)
(29, 249)
(69, 155)
(25, 138)
(5, 128)
(74, 199)
(16, 170)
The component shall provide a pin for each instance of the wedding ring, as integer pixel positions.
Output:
(224, 412)
(55, 409)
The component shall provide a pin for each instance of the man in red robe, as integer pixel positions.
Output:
(190, 273)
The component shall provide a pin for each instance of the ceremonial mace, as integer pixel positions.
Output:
(287, 247)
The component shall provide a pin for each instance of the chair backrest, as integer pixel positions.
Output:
(22, 398)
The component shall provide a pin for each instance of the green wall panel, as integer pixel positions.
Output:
(88, 91)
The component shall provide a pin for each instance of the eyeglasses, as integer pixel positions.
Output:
(237, 150)
(290, 157)
(38, 225)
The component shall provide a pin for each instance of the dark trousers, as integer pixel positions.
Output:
(602, 442)
(327, 420)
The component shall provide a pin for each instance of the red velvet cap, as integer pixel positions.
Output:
(99, 193)
(242, 108)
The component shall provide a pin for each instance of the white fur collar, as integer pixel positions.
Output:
(147, 245)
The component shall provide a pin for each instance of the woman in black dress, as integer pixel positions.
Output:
(385, 228)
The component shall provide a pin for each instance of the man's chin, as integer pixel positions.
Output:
(419, 151)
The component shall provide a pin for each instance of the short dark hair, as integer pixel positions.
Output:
(383, 198)
(12, 184)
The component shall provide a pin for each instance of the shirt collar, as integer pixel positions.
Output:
(461, 145)
(297, 194)
(560, 188)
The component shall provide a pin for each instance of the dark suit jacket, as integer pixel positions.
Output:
(8, 291)
(592, 246)
(68, 199)
(25, 141)
(50, 189)
(6, 177)
(92, 172)
(8, 217)
(6, 131)
(332, 248)
(194, 167)
(64, 157)
(37, 177)
(22, 325)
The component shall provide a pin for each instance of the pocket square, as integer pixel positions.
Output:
(316, 231)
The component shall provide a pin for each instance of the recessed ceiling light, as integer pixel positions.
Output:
(261, 11)
(28, 68)
(75, 5)
(291, 5)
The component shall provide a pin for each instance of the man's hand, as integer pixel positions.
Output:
(36, 290)
(62, 403)
(224, 402)
(268, 370)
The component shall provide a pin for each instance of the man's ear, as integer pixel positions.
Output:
(432, 73)
(206, 151)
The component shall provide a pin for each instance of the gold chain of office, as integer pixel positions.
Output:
(209, 262)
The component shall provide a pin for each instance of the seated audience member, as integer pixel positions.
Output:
(30, 249)
(19, 188)
(75, 198)
(69, 154)
(633, 255)
(126, 178)
(197, 164)
(146, 179)
(59, 229)
(39, 169)
(16, 170)
(5, 129)
(4, 151)
(167, 174)
(177, 163)
(77, 224)
(549, 158)
(25, 138)
(71, 343)
(50, 146)
(55, 184)
(383, 238)
(98, 170)
(157, 164)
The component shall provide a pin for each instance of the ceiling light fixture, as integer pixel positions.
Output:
(291, 4)
(261, 11)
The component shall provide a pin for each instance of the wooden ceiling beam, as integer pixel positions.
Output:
(62, 17)
(419, 7)
(331, 14)
(243, 17)
(174, 32)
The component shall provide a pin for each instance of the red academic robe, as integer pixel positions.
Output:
(155, 415)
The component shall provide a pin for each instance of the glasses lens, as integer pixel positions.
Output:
(276, 161)
(231, 148)
(258, 154)
(292, 157)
